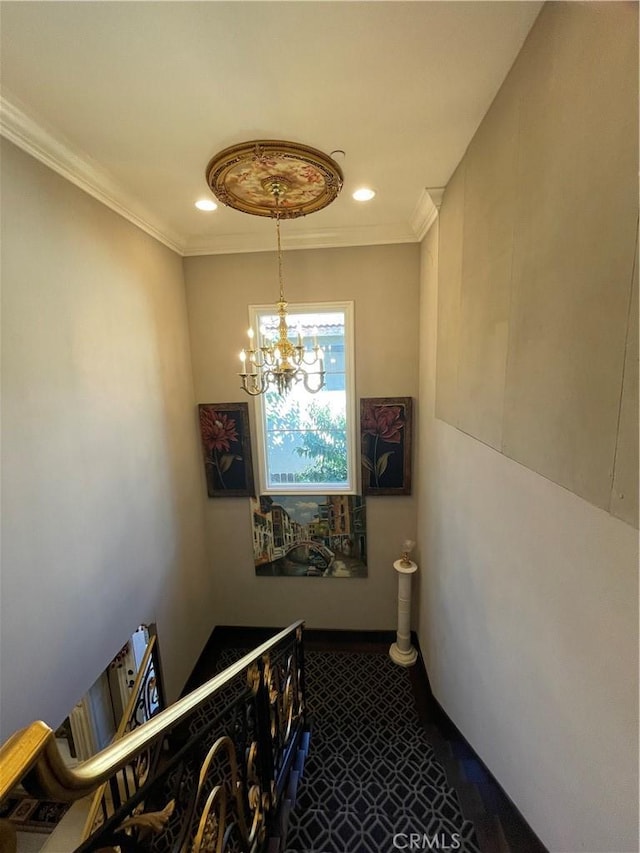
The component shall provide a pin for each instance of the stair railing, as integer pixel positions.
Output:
(206, 774)
(144, 702)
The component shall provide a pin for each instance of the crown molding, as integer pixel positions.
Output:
(50, 148)
(327, 238)
(31, 136)
(426, 210)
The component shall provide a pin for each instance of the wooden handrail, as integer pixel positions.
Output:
(19, 753)
(33, 752)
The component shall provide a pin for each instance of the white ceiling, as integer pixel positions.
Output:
(131, 99)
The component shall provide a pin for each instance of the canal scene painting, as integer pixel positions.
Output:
(309, 536)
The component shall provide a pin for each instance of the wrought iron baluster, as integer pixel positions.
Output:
(219, 785)
(115, 792)
(263, 725)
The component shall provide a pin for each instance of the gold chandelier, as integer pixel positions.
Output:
(282, 180)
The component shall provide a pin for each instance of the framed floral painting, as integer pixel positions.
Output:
(226, 444)
(385, 434)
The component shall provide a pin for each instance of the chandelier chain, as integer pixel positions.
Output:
(280, 280)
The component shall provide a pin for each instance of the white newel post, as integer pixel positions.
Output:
(402, 652)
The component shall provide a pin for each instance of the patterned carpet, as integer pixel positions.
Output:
(371, 783)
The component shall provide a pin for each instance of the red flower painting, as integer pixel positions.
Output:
(383, 422)
(225, 442)
(385, 432)
(218, 430)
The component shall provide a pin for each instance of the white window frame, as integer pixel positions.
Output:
(350, 487)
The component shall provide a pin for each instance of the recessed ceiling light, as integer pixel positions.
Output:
(206, 204)
(363, 194)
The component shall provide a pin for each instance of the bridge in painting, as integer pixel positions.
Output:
(308, 551)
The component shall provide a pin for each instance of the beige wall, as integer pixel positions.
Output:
(529, 594)
(383, 282)
(538, 230)
(102, 519)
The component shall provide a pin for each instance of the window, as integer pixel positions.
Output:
(306, 441)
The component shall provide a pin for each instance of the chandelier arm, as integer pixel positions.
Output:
(245, 386)
(306, 376)
(315, 359)
(257, 357)
(251, 385)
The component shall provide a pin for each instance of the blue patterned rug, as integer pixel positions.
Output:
(371, 783)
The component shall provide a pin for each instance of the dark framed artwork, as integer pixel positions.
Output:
(385, 436)
(226, 445)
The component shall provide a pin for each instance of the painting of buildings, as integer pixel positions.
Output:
(309, 536)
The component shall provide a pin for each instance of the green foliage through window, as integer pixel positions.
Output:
(315, 434)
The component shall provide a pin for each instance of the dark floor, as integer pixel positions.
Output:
(498, 826)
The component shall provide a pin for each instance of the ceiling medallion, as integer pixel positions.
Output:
(243, 177)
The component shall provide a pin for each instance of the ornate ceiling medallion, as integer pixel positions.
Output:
(248, 176)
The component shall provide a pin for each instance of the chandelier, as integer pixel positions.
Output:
(281, 180)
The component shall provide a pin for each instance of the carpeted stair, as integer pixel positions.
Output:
(375, 767)
(372, 774)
